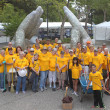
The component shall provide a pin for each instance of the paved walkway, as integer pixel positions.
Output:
(47, 100)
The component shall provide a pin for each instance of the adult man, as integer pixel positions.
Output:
(85, 60)
(59, 45)
(37, 49)
(88, 46)
(2, 57)
(10, 59)
(61, 71)
(97, 60)
(56, 40)
(10, 46)
(48, 44)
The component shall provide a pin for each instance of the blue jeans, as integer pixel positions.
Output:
(19, 80)
(1, 80)
(35, 81)
(43, 78)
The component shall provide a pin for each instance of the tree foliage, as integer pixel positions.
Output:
(12, 17)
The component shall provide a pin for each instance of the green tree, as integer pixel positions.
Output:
(12, 17)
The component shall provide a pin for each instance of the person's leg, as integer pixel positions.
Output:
(50, 78)
(2, 80)
(23, 83)
(33, 84)
(100, 102)
(36, 82)
(63, 79)
(73, 84)
(76, 85)
(45, 79)
(54, 79)
(42, 77)
(18, 84)
(59, 79)
(70, 78)
(95, 98)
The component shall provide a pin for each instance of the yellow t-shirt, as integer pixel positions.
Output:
(10, 59)
(60, 49)
(35, 65)
(37, 51)
(2, 65)
(41, 46)
(48, 45)
(55, 44)
(21, 63)
(71, 60)
(61, 62)
(88, 50)
(97, 60)
(44, 62)
(67, 56)
(86, 57)
(29, 57)
(107, 62)
(76, 71)
(77, 51)
(52, 62)
(96, 77)
(7, 53)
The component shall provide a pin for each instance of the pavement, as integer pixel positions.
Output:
(47, 100)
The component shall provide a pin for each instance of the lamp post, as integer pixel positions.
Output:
(47, 16)
(92, 11)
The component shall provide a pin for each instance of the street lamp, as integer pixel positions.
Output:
(92, 11)
(47, 15)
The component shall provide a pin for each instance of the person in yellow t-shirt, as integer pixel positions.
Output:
(21, 65)
(2, 57)
(59, 45)
(61, 71)
(78, 49)
(37, 42)
(52, 68)
(37, 49)
(10, 46)
(44, 64)
(48, 44)
(91, 50)
(35, 67)
(97, 60)
(67, 55)
(76, 73)
(56, 40)
(85, 59)
(88, 45)
(69, 70)
(10, 59)
(96, 78)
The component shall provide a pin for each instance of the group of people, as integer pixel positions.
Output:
(55, 62)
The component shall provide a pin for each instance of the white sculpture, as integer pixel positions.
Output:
(77, 31)
(28, 27)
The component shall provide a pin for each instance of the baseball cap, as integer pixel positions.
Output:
(32, 49)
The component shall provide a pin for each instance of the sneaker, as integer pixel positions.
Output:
(9, 88)
(50, 86)
(73, 93)
(76, 94)
(42, 89)
(2, 90)
(16, 92)
(45, 88)
(23, 92)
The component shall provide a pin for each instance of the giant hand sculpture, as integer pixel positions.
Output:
(77, 31)
(28, 27)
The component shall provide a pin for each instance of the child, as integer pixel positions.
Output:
(76, 73)
(96, 78)
(35, 72)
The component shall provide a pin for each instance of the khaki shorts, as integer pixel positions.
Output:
(9, 77)
(61, 76)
